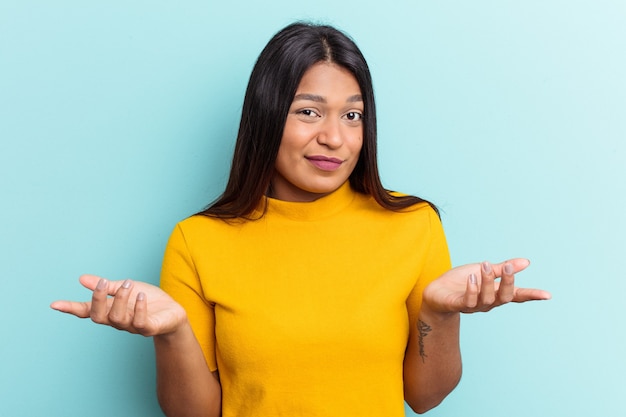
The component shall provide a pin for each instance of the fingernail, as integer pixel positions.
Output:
(102, 284)
(508, 269)
(126, 284)
(473, 279)
(141, 296)
(486, 267)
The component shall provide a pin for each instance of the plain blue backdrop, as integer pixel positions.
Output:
(118, 119)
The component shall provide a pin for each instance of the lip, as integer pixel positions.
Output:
(325, 163)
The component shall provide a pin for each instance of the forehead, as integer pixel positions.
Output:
(328, 79)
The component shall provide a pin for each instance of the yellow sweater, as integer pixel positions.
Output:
(304, 312)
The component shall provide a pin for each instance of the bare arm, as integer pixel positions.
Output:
(185, 385)
(432, 365)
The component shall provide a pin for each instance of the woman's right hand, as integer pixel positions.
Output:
(132, 306)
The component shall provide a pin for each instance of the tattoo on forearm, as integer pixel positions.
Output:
(423, 330)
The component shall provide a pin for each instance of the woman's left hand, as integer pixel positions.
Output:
(475, 287)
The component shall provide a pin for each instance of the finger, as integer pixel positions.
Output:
(518, 264)
(140, 319)
(119, 314)
(507, 281)
(487, 294)
(78, 309)
(99, 302)
(470, 299)
(91, 282)
(522, 295)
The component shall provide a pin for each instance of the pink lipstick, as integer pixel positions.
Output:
(325, 163)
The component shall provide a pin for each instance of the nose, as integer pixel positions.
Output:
(330, 133)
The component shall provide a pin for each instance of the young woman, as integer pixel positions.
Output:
(306, 289)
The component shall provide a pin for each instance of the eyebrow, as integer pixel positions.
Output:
(319, 99)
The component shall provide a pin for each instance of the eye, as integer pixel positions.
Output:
(307, 113)
(354, 116)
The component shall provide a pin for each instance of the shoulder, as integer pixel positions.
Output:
(202, 223)
(196, 229)
(418, 219)
(419, 209)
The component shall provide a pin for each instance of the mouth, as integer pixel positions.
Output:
(325, 163)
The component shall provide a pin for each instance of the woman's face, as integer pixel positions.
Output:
(323, 135)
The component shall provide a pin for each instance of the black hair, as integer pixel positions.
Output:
(270, 92)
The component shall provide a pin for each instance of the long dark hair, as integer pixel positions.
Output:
(271, 89)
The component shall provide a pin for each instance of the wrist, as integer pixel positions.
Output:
(179, 333)
(428, 315)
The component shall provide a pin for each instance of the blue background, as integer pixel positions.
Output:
(117, 119)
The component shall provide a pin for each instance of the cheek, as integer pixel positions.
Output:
(294, 138)
(357, 144)
(286, 152)
(355, 151)
(358, 148)
(286, 142)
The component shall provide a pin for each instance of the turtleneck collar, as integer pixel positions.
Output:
(309, 211)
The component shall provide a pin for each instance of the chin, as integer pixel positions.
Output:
(324, 189)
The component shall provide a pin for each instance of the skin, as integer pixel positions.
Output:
(185, 386)
(324, 120)
(432, 365)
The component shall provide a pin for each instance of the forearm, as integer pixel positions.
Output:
(432, 364)
(185, 385)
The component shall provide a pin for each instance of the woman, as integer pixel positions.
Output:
(306, 288)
